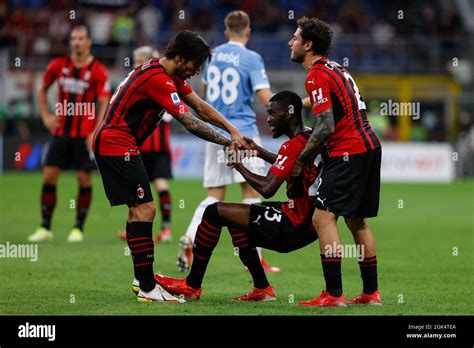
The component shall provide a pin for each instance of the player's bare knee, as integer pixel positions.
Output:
(84, 179)
(144, 212)
(356, 224)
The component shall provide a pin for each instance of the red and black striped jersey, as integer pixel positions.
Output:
(78, 90)
(329, 85)
(136, 108)
(299, 207)
(159, 140)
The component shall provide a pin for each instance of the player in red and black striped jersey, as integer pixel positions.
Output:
(156, 155)
(279, 226)
(349, 183)
(137, 106)
(82, 81)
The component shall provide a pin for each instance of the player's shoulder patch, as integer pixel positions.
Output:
(175, 98)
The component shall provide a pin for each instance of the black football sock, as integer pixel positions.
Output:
(332, 274)
(143, 253)
(249, 256)
(206, 239)
(165, 207)
(83, 202)
(48, 202)
(368, 271)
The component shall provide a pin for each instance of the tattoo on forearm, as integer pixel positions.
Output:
(202, 130)
(322, 130)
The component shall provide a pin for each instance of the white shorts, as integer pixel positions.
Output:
(216, 171)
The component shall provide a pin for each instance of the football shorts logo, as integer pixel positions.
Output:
(175, 99)
(140, 192)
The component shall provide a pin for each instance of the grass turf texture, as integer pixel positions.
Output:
(415, 252)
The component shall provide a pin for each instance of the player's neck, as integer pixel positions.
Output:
(168, 64)
(80, 60)
(239, 40)
(309, 61)
(294, 130)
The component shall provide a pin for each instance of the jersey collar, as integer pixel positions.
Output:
(236, 43)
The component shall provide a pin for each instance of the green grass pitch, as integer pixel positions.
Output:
(419, 228)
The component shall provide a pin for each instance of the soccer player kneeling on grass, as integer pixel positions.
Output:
(279, 226)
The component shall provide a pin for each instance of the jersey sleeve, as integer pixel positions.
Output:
(286, 159)
(102, 83)
(166, 94)
(182, 87)
(317, 86)
(258, 75)
(52, 72)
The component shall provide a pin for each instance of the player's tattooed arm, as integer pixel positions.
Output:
(211, 115)
(267, 186)
(201, 129)
(322, 130)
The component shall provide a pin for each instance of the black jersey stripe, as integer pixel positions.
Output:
(354, 106)
(84, 97)
(76, 72)
(111, 110)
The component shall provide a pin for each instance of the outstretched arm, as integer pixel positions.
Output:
(264, 154)
(201, 129)
(211, 115)
(322, 130)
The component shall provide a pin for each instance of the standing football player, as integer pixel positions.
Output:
(230, 81)
(156, 156)
(349, 184)
(82, 81)
(138, 104)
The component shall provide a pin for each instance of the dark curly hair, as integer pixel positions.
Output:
(318, 32)
(190, 46)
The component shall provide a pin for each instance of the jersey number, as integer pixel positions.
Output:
(230, 80)
(360, 101)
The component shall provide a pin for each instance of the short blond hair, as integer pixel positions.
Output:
(237, 21)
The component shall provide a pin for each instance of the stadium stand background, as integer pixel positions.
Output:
(405, 51)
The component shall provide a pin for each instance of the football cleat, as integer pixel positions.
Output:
(122, 235)
(267, 294)
(178, 287)
(41, 234)
(185, 253)
(164, 236)
(158, 294)
(363, 298)
(75, 235)
(135, 286)
(325, 300)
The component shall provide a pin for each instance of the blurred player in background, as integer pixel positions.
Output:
(82, 81)
(230, 81)
(349, 183)
(279, 226)
(156, 156)
(137, 106)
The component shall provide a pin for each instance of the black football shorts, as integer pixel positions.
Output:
(69, 153)
(270, 228)
(350, 186)
(157, 164)
(125, 179)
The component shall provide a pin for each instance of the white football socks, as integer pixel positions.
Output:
(197, 217)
